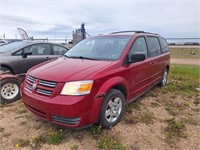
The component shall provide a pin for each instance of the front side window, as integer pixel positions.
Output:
(100, 48)
(139, 46)
(38, 49)
(153, 46)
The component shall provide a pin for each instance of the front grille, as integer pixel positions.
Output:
(31, 79)
(71, 121)
(47, 83)
(41, 87)
(29, 87)
(44, 92)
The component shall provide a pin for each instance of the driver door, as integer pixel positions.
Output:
(39, 54)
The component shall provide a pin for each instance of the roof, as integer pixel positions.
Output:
(133, 32)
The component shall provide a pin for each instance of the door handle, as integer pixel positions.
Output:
(47, 58)
(153, 62)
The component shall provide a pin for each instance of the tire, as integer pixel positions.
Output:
(10, 90)
(112, 109)
(163, 82)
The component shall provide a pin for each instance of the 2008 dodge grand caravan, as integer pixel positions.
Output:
(93, 81)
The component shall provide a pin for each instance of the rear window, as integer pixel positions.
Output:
(153, 46)
(59, 50)
(164, 45)
(11, 46)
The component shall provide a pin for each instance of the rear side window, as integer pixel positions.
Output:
(153, 46)
(164, 45)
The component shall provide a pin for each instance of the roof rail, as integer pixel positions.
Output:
(127, 31)
(133, 31)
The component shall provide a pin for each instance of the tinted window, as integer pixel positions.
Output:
(39, 49)
(59, 50)
(153, 46)
(139, 46)
(164, 45)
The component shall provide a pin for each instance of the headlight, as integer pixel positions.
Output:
(77, 87)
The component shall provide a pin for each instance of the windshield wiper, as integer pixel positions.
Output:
(80, 57)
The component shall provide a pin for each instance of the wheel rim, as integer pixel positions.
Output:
(164, 81)
(113, 109)
(9, 90)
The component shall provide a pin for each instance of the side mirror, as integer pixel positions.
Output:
(24, 54)
(137, 57)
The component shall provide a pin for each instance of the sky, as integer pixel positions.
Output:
(57, 19)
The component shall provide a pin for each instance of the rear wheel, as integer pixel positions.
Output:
(10, 90)
(112, 109)
(163, 82)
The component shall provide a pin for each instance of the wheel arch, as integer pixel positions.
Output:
(8, 67)
(168, 67)
(118, 83)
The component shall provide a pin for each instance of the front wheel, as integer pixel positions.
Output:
(10, 90)
(163, 82)
(112, 109)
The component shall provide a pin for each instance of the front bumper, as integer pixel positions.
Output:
(70, 111)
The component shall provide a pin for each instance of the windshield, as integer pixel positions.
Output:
(100, 48)
(11, 46)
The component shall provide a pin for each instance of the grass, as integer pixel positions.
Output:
(197, 101)
(142, 117)
(175, 107)
(183, 80)
(74, 147)
(192, 52)
(55, 137)
(175, 129)
(131, 119)
(41, 139)
(191, 120)
(147, 117)
(171, 109)
(24, 142)
(96, 130)
(21, 110)
(108, 142)
(135, 105)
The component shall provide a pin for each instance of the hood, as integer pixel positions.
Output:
(67, 69)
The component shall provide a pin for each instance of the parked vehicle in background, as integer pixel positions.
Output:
(96, 78)
(7, 41)
(17, 57)
(3, 42)
(192, 43)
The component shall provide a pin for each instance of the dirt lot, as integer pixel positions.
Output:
(164, 118)
(191, 61)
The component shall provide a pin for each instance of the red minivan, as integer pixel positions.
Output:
(94, 80)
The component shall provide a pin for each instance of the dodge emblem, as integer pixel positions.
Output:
(34, 86)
